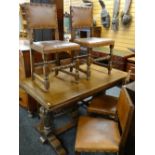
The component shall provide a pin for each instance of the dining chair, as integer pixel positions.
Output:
(82, 18)
(96, 134)
(44, 16)
(103, 104)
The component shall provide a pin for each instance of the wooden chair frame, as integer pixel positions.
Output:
(49, 18)
(88, 25)
(124, 120)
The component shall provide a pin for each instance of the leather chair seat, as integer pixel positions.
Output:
(94, 42)
(97, 134)
(54, 46)
(103, 104)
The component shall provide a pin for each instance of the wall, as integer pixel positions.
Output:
(125, 36)
(66, 5)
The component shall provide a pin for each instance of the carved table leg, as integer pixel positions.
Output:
(45, 128)
(47, 122)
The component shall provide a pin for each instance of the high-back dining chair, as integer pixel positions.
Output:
(104, 104)
(82, 18)
(44, 16)
(105, 135)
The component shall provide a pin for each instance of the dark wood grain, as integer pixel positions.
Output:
(64, 90)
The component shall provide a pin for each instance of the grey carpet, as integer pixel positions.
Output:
(29, 143)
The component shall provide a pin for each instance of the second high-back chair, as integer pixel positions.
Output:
(44, 16)
(81, 18)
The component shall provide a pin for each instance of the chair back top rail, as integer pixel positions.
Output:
(41, 16)
(81, 18)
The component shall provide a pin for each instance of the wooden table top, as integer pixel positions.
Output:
(63, 89)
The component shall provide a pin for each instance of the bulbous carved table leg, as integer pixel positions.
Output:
(46, 129)
(47, 122)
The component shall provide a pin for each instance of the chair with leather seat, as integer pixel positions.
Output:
(44, 16)
(103, 105)
(82, 18)
(96, 134)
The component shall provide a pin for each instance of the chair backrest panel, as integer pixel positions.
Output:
(124, 109)
(81, 17)
(42, 16)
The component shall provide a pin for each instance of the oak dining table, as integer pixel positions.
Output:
(65, 91)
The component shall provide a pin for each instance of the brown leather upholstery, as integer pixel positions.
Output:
(103, 104)
(103, 135)
(94, 42)
(97, 134)
(124, 108)
(81, 17)
(42, 16)
(54, 46)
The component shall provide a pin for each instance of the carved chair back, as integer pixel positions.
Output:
(81, 17)
(42, 16)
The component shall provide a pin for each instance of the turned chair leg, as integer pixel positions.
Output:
(45, 72)
(32, 63)
(72, 59)
(77, 69)
(88, 62)
(110, 60)
(57, 63)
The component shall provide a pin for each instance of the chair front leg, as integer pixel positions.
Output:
(72, 60)
(88, 62)
(77, 62)
(45, 72)
(57, 63)
(110, 59)
(32, 63)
